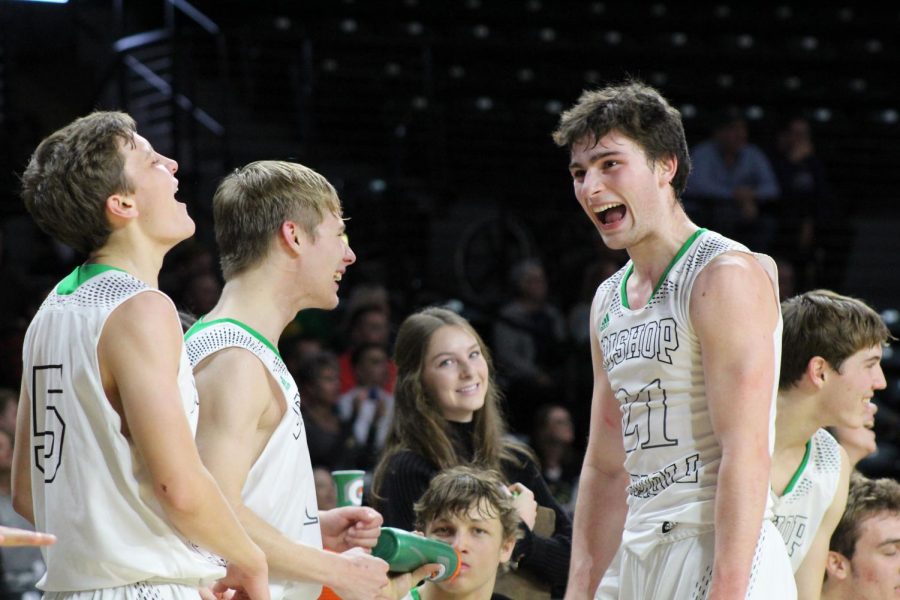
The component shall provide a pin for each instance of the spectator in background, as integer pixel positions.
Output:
(201, 292)
(326, 494)
(186, 261)
(553, 442)
(297, 348)
(9, 405)
(864, 560)
(529, 338)
(448, 414)
(366, 294)
(579, 317)
(787, 278)
(805, 202)
(21, 567)
(367, 324)
(369, 406)
(732, 184)
(331, 442)
(580, 374)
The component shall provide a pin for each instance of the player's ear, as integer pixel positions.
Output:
(837, 566)
(666, 168)
(122, 206)
(506, 549)
(291, 236)
(816, 370)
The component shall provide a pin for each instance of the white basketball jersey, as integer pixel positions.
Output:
(652, 358)
(90, 487)
(280, 486)
(800, 509)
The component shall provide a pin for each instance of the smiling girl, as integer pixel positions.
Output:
(447, 413)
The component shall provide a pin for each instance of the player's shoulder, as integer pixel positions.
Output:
(233, 365)
(234, 375)
(825, 440)
(147, 312)
(731, 271)
(148, 303)
(610, 288)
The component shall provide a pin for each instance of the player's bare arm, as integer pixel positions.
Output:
(21, 466)
(734, 312)
(811, 573)
(139, 353)
(601, 505)
(240, 407)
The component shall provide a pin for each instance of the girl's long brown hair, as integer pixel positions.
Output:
(418, 423)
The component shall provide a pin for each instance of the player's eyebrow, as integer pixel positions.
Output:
(594, 157)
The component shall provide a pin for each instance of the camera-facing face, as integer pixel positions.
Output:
(478, 537)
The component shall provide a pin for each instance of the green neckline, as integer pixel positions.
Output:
(684, 248)
(414, 594)
(81, 274)
(800, 469)
(201, 324)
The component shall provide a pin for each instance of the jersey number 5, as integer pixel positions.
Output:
(48, 440)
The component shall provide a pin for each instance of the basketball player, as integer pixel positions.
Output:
(685, 340)
(864, 558)
(283, 249)
(830, 369)
(104, 452)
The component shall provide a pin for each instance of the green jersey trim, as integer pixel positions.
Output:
(800, 469)
(80, 275)
(675, 259)
(414, 594)
(201, 325)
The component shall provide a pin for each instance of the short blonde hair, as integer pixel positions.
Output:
(252, 203)
(827, 324)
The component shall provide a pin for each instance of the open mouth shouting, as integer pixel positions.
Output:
(610, 213)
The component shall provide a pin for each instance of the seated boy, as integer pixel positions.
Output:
(472, 510)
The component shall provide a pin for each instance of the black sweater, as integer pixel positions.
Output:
(407, 478)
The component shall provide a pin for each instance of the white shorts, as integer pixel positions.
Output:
(681, 569)
(134, 591)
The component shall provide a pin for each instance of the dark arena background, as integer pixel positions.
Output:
(433, 120)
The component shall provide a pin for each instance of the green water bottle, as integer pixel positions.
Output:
(404, 552)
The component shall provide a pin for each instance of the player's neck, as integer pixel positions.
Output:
(129, 249)
(654, 253)
(143, 266)
(832, 591)
(248, 300)
(798, 417)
